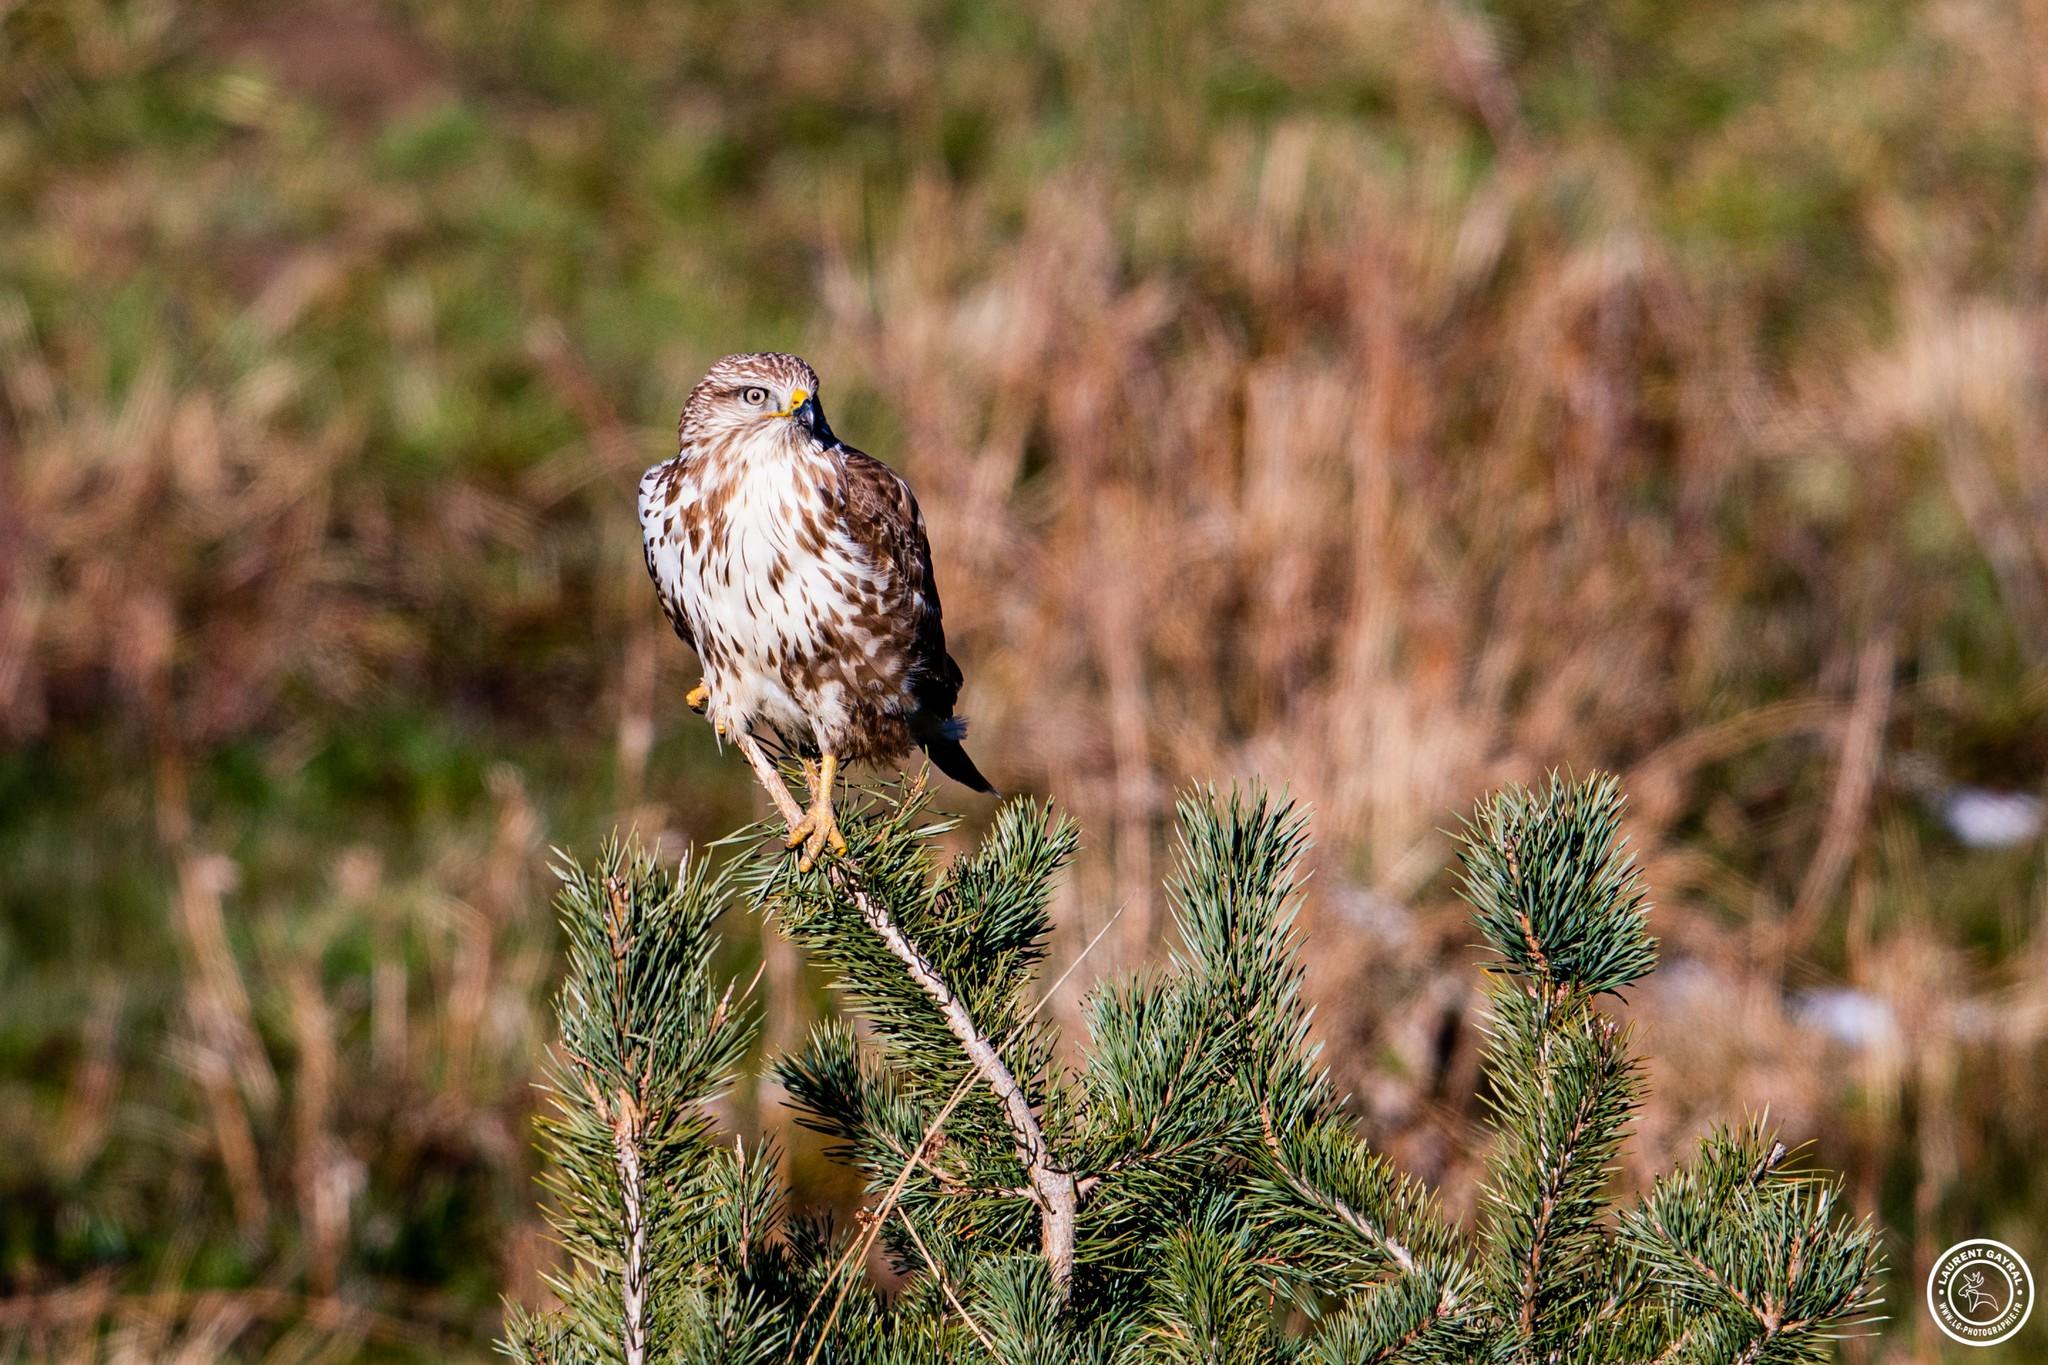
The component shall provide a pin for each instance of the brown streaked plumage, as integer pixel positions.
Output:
(798, 569)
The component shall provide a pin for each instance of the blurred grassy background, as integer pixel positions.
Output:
(1388, 399)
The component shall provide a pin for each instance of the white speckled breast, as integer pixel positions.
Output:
(751, 552)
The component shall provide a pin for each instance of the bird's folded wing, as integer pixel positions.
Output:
(882, 514)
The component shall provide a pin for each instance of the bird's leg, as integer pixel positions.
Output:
(819, 829)
(697, 698)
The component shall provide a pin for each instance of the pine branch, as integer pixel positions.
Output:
(1235, 1215)
(646, 1043)
(1052, 1185)
(1555, 890)
(1557, 897)
(1757, 1249)
(1414, 1318)
(858, 1251)
(633, 1210)
(1331, 1204)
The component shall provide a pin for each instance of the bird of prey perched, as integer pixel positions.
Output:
(797, 567)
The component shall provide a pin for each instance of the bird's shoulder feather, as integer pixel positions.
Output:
(882, 514)
(880, 507)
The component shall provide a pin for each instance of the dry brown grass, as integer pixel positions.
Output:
(1391, 492)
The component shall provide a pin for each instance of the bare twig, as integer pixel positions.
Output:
(860, 1249)
(945, 1286)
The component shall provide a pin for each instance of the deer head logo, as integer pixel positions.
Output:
(1971, 1288)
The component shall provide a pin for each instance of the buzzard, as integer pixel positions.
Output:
(798, 570)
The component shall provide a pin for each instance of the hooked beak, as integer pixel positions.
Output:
(805, 412)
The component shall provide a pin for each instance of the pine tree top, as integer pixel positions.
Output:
(1190, 1187)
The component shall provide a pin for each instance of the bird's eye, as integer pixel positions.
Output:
(754, 396)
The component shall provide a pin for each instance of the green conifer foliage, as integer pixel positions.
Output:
(1227, 1209)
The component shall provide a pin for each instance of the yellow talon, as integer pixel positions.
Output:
(697, 698)
(819, 829)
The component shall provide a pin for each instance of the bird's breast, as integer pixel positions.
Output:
(774, 587)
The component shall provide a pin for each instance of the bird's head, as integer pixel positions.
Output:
(759, 394)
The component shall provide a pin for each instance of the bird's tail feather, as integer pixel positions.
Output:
(950, 758)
